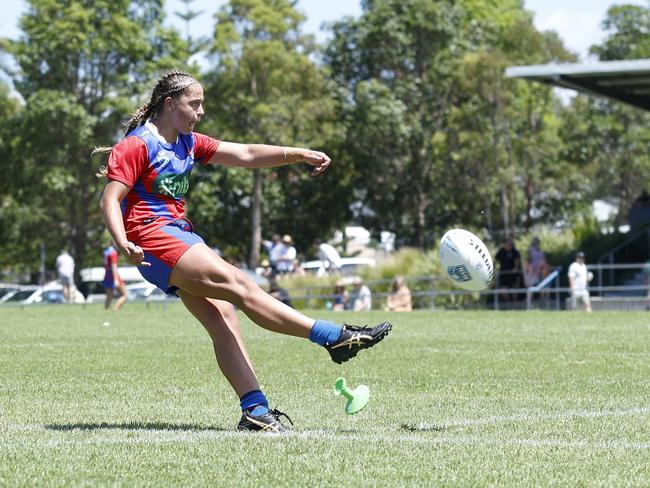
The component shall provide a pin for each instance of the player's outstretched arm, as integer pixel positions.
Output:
(113, 194)
(265, 156)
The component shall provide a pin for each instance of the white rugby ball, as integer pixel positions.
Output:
(466, 260)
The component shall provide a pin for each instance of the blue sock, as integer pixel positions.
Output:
(257, 399)
(324, 332)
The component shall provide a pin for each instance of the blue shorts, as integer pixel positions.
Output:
(163, 248)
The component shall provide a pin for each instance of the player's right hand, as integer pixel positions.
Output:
(134, 255)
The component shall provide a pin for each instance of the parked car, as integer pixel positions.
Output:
(7, 287)
(145, 291)
(349, 266)
(32, 294)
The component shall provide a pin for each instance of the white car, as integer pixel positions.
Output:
(92, 281)
(348, 265)
(8, 288)
(33, 294)
(145, 291)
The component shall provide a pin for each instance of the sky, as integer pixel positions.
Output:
(576, 21)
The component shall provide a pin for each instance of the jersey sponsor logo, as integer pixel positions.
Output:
(172, 185)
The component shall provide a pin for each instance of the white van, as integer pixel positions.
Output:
(92, 281)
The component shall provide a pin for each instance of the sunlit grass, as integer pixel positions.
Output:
(457, 398)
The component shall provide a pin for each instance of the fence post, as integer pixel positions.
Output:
(529, 299)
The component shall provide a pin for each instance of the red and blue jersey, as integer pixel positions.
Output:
(110, 259)
(158, 174)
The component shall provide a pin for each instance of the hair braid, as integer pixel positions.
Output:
(170, 84)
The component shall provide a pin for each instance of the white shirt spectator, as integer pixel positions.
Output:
(329, 256)
(286, 255)
(65, 265)
(578, 275)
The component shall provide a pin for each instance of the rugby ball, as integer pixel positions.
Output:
(466, 260)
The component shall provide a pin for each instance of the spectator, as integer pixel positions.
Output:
(286, 255)
(329, 256)
(643, 200)
(400, 298)
(535, 268)
(509, 267)
(298, 270)
(266, 270)
(112, 279)
(65, 272)
(341, 297)
(279, 293)
(273, 248)
(361, 298)
(578, 279)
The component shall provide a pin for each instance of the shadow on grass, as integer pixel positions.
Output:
(423, 427)
(134, 426)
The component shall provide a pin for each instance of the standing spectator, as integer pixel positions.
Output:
(400, 298)
(273, 248)
(65, 272)
(286, 255)
(509, 267)
(361, 297)
(112, 279)
(578, 279)
(535, 268)
(329, 256)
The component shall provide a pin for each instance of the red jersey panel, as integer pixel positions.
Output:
(158, 174)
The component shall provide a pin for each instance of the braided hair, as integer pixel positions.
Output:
(170, 84)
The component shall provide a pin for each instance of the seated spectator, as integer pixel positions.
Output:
(279, 293)
(341, 297)
(298, 270)
(361, 297)
(535, 268)
(266, 269)
(400, 298)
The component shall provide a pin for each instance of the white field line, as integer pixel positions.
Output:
(158, 438)
(563, 354)
(529, 418)
(112, 436)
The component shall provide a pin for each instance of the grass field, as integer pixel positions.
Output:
(479, 398)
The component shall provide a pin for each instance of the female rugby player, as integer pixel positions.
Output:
(144, 210)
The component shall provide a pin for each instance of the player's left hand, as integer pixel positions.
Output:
(320, 160)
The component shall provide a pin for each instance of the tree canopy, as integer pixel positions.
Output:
(409, 99)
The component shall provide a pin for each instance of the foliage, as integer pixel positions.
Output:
(80, 65)
(266, 89)
(410, 100)
(438, 136)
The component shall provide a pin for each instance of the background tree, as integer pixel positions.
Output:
(265, 88)
(438, 136)
(81, 67)
(607, 138)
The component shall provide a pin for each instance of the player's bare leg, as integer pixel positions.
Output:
(122, 298)
(109, 297)
(220, 320)
(201, 272)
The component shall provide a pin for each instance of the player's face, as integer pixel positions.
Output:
(188, 109)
